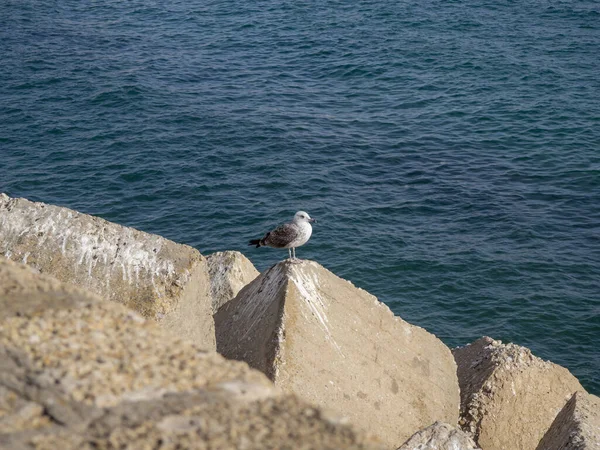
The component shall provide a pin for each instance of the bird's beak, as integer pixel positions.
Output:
(312, 220)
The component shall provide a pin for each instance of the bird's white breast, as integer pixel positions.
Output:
(305, 230)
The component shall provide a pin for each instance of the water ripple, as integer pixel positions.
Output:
(450, 149)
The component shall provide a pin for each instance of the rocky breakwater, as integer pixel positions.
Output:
(577, 426)
(509, 397)
(440, 436)
(316, 335)
(80, 372)
(229, 272)
(162, 280)
(77, 372)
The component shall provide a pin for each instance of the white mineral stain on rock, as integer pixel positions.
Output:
(308, 287)
(89, 246)
(262, 293)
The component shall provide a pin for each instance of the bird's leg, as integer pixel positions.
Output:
(293, 256)
(290, 252)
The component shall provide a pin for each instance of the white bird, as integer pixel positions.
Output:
(289, 235)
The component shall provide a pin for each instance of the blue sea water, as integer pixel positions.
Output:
(449, 148)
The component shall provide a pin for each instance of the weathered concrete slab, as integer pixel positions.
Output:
(205, 420)
(229, 272)
(440, 436)
(100, 353)
(577, 426)
(509, 397)
(162, 280)
(320, 337)
(77, 372)
(18, 414)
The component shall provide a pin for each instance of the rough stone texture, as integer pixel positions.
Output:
(18, 414)
(160, 279)
(96, 352)
(18, 282)
(204, 420)
(440, 436)
(577, 426)
(229, 272)
(509, 397)
(320, 337)
(77, 372)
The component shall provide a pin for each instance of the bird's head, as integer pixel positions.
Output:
(302, 216)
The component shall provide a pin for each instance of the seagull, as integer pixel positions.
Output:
(289, 235)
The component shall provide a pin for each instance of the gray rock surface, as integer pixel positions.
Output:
(318, 336)
(77, 372)
(162, 280)
(96, 352)
(229, 272)
(509, 397)
(577, 426)
(440, 436)
(202, 420)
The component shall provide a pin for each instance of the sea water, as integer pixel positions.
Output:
(450, 149)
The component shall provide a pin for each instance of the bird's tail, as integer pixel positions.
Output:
(255, 242)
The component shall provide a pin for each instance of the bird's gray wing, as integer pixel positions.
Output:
(281, 236)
